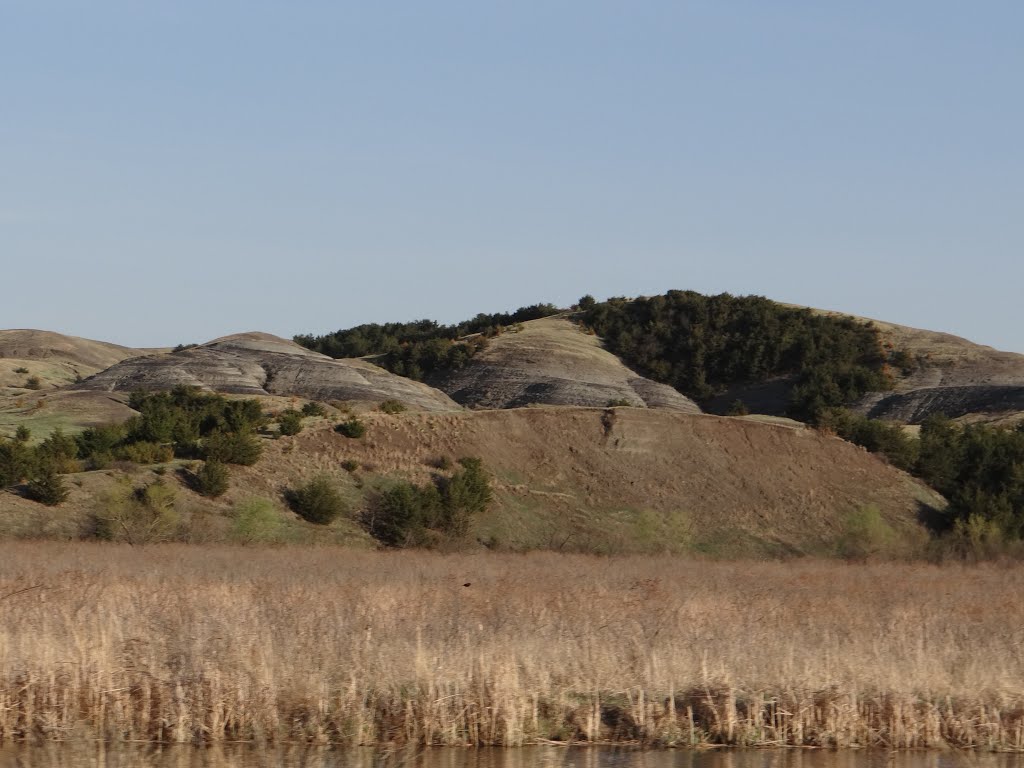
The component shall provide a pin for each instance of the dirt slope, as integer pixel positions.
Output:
(261, 364)
(553, 362)
(623, 479)
(599, 480)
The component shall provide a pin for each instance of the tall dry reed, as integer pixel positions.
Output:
(196, 644)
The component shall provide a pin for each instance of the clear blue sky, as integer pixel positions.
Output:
(175, 171)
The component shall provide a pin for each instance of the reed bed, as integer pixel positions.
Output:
(329, 646)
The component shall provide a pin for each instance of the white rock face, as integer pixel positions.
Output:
(553, 362)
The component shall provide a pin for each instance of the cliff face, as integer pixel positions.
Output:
(260, 364)
(553, 362)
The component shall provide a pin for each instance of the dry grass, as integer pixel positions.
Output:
(203, 644)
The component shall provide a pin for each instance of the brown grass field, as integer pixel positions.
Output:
(215, 644)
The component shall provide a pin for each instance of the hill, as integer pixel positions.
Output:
(255, 364)
(552, 361)
(55, 359)
(575, 479)
(949, 375)
(936, 373)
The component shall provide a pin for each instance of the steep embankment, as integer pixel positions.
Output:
(596, 480)
(256, 364)
(623, 479)
(552, 361)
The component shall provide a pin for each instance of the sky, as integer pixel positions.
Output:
(171, 172)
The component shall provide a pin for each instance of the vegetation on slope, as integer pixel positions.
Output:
(703, 345)
(417, 349)
(182, 423)
(979, 468)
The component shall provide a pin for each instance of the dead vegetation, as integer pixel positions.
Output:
(205, 644)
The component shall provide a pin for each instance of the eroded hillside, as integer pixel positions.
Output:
(552, 361)
(597, 480)
(255, 364)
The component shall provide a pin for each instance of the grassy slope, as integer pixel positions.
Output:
(594, 480)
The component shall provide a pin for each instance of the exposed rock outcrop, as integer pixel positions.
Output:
(954, 377)
(553, 362)
(261, 364)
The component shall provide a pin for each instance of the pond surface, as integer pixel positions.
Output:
(95, 756)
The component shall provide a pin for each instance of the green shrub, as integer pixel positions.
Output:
(313, 409)
(21, 369)
(886, 438)
(33, 383)
(23, 434)
(352, 428)
(212, 479)
(974, 539)
(232, 448)
(350, 465)
(144, 515)
(865, 534)
(59, 451)
(103, 439)
(403, 515)
(16, 462)
(289, 422)
(317, 501)
(145, 453)
(738, 408)
(256, 521)
(392, 406)
(407, 515)
(47, 487)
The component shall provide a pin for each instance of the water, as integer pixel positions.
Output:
(98, 756)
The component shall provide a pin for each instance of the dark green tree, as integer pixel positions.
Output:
(213, 479)
(47, 487)
(317, 501)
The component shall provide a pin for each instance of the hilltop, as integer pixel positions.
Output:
(552, 361)
(53, 358)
